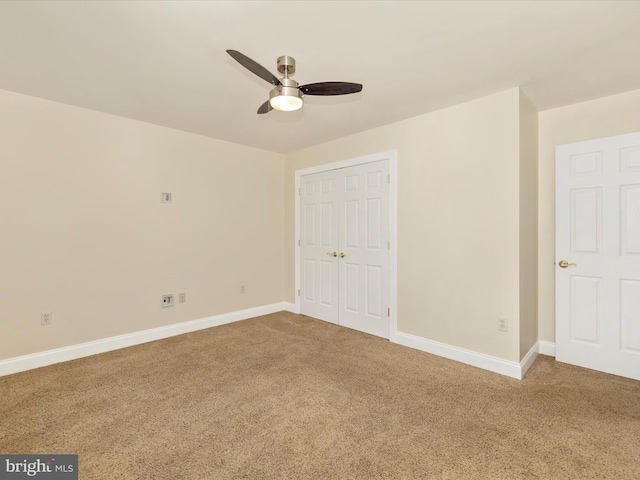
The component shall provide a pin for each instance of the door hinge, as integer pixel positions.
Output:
(389, 312)
(389, 178)
(299, 191)
(388, 245)
(298, 292)
(298, 242)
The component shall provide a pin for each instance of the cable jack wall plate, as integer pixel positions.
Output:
(167, 300)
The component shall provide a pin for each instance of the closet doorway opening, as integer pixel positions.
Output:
(346, 243)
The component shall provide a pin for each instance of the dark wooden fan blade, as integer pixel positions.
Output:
(330, 88)
(254, 67)
(265, 107)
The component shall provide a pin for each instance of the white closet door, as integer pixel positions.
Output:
(346, 212)
(364, 241)
(319, 202)
(598, 236)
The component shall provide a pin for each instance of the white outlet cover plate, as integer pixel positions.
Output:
(46, 318)
(503, 326)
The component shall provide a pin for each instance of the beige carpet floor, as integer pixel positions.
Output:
(286, 396)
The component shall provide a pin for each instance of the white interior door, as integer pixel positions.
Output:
(344, 247)
(598, 236)
(319, 223)
(364, 241)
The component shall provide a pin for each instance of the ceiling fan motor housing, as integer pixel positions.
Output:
(289, 88)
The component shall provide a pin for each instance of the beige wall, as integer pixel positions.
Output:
(528, 225)
(604, 117)
(458, 220)
(84, 234)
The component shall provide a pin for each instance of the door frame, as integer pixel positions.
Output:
(390, 155)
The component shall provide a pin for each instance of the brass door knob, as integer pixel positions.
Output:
(565, 264)
(333, 254)
(341, 254)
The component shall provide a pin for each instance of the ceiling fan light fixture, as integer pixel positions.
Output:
(286, 103)
(286, 97)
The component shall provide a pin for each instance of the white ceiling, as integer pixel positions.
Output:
(164, 62)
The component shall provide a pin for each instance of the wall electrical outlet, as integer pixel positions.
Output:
(167, 300)
(503, 326)
(46, 318)
(182, 297)
(166, 197)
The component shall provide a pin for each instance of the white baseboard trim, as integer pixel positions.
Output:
(475, 359)
(528, 360)
(480, 360)
(547, 348)
(50, 357)
(291, 307)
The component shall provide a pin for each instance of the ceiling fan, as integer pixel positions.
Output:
(287, 94)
